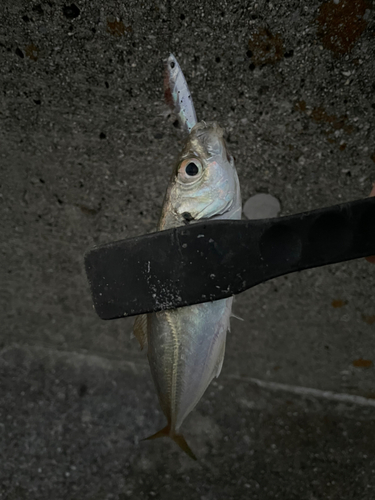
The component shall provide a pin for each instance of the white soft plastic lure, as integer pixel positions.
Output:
(177, 94)
(186, 346)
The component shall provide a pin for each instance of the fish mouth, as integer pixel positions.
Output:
(189, 218)
(218, 215)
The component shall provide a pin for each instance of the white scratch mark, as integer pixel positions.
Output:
(308, 391)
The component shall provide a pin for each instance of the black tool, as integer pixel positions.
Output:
(216, 259)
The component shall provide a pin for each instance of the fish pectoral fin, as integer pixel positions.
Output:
(237, 317)
(140, 330)
(177, 438)
(220, 361)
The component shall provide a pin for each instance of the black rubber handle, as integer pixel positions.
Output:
(213, 260)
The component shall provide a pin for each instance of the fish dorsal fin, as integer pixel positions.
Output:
(140, 330)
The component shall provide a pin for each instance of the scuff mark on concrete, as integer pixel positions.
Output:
(341, 23)
(362, 363)
(32, 52)
(338, 303)
(116, 27)
(331, 123)
(370, 320)
(265, 48)
(308, 391)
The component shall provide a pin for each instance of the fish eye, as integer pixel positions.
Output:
(190, 170)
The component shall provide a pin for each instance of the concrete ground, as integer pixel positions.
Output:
(86, 148)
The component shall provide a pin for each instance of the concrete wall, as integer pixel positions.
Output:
(86, 147)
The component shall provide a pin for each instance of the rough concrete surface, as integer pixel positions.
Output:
(86, 148)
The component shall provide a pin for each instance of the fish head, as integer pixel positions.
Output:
(204, 183)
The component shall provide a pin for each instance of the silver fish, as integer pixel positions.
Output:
(186, 346)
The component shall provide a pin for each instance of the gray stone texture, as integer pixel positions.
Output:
(86, 149)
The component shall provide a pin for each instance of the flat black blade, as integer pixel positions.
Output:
(214, 260)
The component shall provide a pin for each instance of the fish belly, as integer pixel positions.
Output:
(185, 350)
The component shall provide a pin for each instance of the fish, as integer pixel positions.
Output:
(186, 346)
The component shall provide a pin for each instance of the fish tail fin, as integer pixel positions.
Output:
(177, 438)
(181, 442)
(162, 433)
